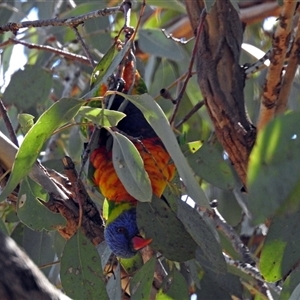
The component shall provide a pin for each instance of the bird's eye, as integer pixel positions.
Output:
(121, 230)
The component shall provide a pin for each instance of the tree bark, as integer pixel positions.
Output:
(20, 278)
(221, 79)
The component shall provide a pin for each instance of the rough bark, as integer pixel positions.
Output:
(20, 278)
(221, 79)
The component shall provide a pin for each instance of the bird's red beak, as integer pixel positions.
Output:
(139, 242)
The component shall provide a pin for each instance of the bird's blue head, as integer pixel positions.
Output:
(122, 235)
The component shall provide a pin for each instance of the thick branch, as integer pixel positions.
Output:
(273, 80)
(20, 278)
(289, 75)
(221, 79)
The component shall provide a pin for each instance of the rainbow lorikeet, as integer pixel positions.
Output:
(121, 231)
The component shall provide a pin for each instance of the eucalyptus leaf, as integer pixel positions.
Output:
(102, 117)
(113, 286)
(3, 227)
(209, 164)
(141, 283)
(102, 67)
(26, 122)
(129, 167)
(290, 284)
(158, 222)
(109, 71)
(204, 235)
(170, 5)
(57, 115)
(279, 254)
(157, 119)
(153, 41)
(28, 87)
(175, 286)
(34, 214)
(81, 272)
(42, 252)
(273, 171)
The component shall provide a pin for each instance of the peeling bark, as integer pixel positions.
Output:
(221, 79)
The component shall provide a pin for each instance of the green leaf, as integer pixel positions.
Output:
(280, 252)
(129, 167)
(57, 115)
(3, 227)
(208, 163)
(175, 286)
(290, 284)
(296, 293)
(26, 122)
(28, 87)
(109, 71)
(101, 69)
(102, 117)
(158, 222)
(273, 171)
(213, 285)
(170, 5)
(42, 252)
(203, 235)
(105, 254)
(153, 41)
(81, 271)
(141, 282)
(31, 212)
(162, 296)
(113, 287)
(157, 119)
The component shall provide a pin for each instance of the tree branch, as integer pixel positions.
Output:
(289, 75)
(71, 22)
(281, 42)
(221, 79)
(63, 53)
(62, 200)
(20, 278)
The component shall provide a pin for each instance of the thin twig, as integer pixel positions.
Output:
(65, 54)
(253, 272)
(139, 20)
(49, 264)
(223, 226)
(71, 22)
(182, 41)
(189, 114)
(8, 124)
(174, 83)
(126, 6)
(189, 72)
(84, 46)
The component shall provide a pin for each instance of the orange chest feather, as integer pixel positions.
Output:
(156, 162)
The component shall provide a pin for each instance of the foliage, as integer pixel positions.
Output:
(54, 90)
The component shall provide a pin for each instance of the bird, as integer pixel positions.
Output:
(121, 231)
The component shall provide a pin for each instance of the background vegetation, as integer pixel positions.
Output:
(247, 247)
